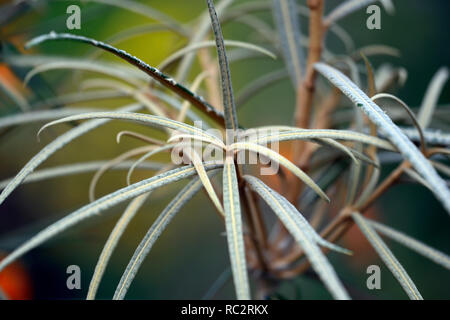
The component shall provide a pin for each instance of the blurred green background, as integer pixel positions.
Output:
(192, 253)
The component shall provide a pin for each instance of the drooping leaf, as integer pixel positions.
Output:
(165, 80)
(303, 234)
(392, 132)
(152, 235)
(269, 153)
(54, 146)
(388, 258)
(229, 107)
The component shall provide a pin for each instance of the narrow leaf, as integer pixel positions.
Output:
(392, 132)
(303, 234)
(100, 205)
(112, 242)
(286, 19)
(235, 233)
(431, 97)
(229, 107)
(152, 235)
(166, 81)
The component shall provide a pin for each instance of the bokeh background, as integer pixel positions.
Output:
(192, 253)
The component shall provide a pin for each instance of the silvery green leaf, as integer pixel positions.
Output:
(96, 207)
(151, 120)
(206, 44)
(235, 233)
(388, 258)
(390, 130)
(200, 33)
(154, 73)
(431, 97)
(229, 107)
(303, 234)
(112, 242)
(286, 20)
(72, 169)
(54, 146)
(42, 115)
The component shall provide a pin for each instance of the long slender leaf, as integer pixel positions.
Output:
(201, 30)
(203, 176)
(235, 233)
(282, 160)
(152, 235)
(35, 116)
(97, 67)
(303, 234)
(421, 248)
(84, 167)
(306, 134)
(288, 26)
(151, 120)
(54, 146)
(166, 81)
(112, 242)
(431, 97)
(344, 9)
(389, 259)
(393, 133)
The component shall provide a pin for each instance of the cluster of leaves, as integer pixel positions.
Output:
(237, 201)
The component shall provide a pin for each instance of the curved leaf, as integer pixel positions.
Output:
(149, 70)
(393, 133)
(303, 234)
(389, 259)
(152, 235)
(288, 26)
